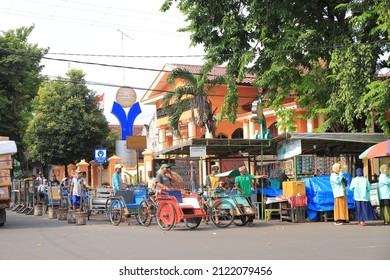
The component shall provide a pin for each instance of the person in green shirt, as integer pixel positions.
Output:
(243, 183)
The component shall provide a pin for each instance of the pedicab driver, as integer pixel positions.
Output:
(243, 183)
(117, 182)
(76, 188)
(164, 178)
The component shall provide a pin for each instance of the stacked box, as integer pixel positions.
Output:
(5, 162)
(4, 194)
(5, 178)
(292, 188)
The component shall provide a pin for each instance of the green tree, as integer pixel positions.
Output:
(19, 82)
(192, 95)
(67, 125)
(325, 53)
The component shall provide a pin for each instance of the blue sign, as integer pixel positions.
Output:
(100, 155)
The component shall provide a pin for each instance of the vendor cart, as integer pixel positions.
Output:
(243, 207)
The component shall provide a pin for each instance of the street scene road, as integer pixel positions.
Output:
(28, 237)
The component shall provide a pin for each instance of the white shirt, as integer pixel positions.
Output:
(78, 183)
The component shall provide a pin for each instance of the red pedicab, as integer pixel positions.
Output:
(175, 205)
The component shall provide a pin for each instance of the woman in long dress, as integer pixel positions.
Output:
(361, 194)
(340, 212)
(384, 193)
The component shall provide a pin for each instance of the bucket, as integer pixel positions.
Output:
(71, 217)
(81, 218)
(62, 214)
(38, 210)
(52, 213)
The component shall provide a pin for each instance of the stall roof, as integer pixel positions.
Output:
(323, 144)
(221, 147)
(332, 144)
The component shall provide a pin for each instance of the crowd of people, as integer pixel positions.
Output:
(72, 188)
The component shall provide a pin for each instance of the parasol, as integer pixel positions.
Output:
(382, 149)
(230, 174)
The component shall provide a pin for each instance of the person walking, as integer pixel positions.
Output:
(151, 181)
(243, 183)
(384, 193)
(361, 193)
(337, 182)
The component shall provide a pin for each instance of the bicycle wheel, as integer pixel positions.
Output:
(222, 213)
(193, 223)
(165, 215)
(144, 216)
(116, 212)
(86, 207)
(107, 208)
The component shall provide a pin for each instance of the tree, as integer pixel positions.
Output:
(193, 95)
(19, 82)
(67, 125)
(325, 53)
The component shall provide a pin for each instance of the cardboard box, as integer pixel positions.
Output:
(5, 162)
(4, 194)
(292, 188)
(5, 178)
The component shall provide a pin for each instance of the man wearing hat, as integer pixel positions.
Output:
(76, 188)
(117, 182)
(164, 177)
(212, 182)
(243, 183)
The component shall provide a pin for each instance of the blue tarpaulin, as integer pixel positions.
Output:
(320, 197)
(319, 194)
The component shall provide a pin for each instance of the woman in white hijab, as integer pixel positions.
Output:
(384, 193)
(340, 212)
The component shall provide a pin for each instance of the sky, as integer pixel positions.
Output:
(118, 33)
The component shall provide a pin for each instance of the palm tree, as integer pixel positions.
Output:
(193, 94)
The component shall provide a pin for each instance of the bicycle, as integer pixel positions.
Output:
(147, 210)
(219, 210)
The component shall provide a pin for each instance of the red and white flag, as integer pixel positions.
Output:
(100, 102)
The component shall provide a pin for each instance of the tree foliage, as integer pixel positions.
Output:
(325, 53)
(67, 125)
(192, 94)
(19, 81)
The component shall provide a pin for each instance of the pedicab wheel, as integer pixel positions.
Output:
(107, 208)
(144, 216)
(241, 220)
(222, 213)
(165, 215)
(193, 223)
(115, 212)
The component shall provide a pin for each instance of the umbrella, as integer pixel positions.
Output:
(382, 149)
(230, 174)
(364, 154)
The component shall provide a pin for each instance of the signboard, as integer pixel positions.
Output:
(136, 142)
(100, 155)
(199, 151)
(288, 149)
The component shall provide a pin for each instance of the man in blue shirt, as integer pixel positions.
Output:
(117, 182)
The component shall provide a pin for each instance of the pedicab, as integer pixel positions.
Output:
(125, 203)
(175, 205)
(243, 206)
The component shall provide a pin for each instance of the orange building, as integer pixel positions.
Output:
(244, 127)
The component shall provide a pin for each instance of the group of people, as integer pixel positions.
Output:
(361, 193)
(70, 187)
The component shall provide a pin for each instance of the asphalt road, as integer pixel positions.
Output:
(27, 237)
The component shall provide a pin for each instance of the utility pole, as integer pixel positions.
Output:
(123, 56)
